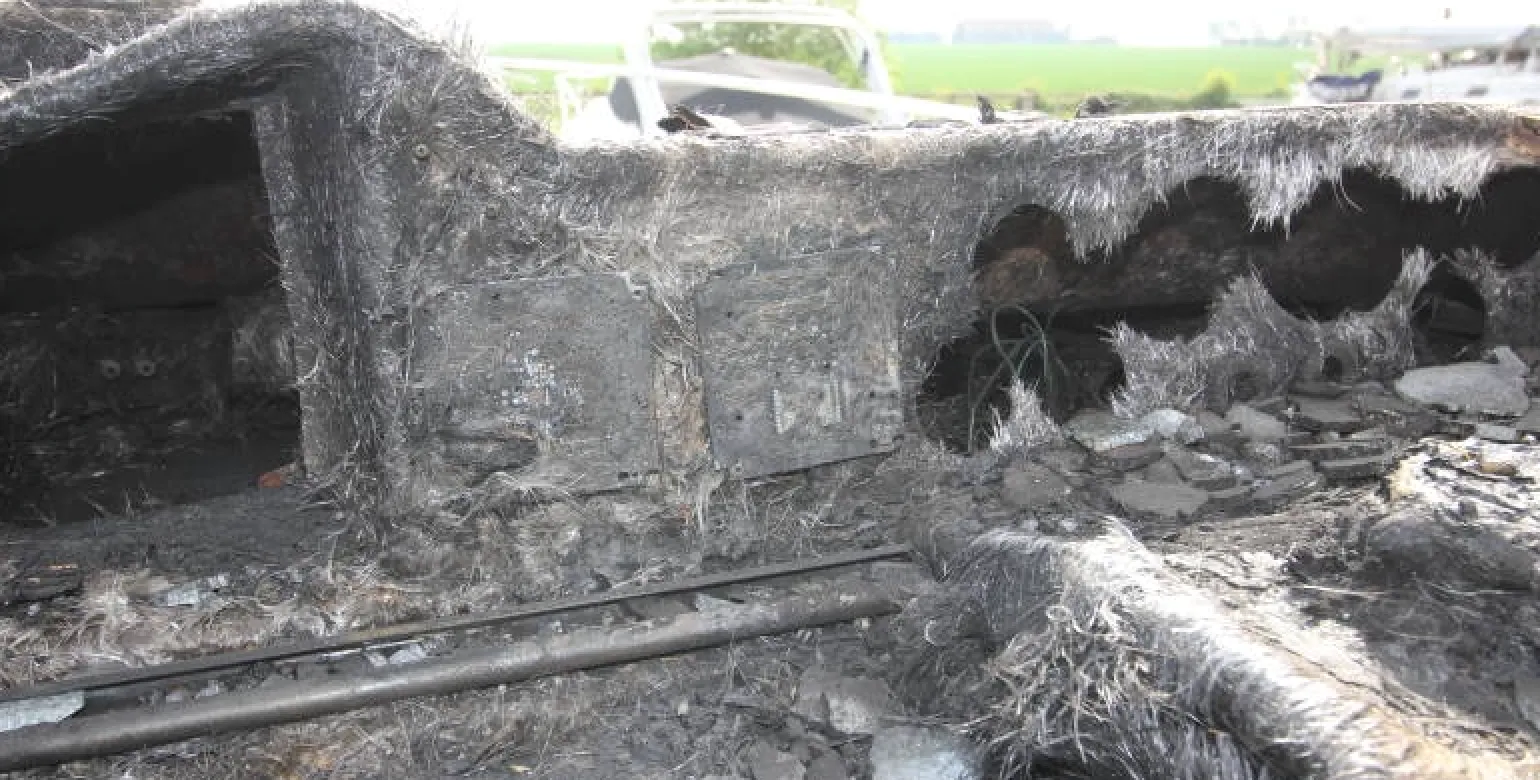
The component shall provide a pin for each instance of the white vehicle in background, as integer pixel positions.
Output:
(1466, 65)
(750, 91)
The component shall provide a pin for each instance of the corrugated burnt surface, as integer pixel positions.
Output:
(800, 362)
(540, 383)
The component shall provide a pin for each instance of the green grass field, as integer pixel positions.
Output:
(1053, 71)
(1077, 70)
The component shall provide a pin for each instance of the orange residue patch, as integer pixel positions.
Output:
(272, 479)
(1525, 138)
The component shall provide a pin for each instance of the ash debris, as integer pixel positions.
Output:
(1301, 475)
(1327, 511)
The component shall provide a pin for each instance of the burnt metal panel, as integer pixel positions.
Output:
(800, 361)
(546, 381)
(89, 362)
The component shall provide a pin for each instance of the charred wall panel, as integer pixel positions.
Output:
(137, 272)
(543, 384)
(407, 193)
(396, 172)
(800, 362)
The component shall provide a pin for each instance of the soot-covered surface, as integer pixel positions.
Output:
(397, 169)
(397, 172)
(43, 35)
(1046, 313)
(161, 214)
(1341, 251)
(132, 258)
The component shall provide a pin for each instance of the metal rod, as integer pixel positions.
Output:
(125, 730)
(401, 631)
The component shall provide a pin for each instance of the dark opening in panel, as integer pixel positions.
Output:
(1044, 312)
(143, 332)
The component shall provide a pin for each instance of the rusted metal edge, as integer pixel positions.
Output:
(142, 727)
(401, 631)
(1522, 143)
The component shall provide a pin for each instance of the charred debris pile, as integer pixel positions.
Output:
(1142, 391)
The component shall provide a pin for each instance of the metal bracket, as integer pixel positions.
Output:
(800, 361)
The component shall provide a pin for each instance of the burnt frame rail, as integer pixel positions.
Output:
(592, 648)
(357, 640)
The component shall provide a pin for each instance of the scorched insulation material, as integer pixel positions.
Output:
(400, 175)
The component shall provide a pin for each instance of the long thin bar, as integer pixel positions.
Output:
(125, 730)
(402, 631)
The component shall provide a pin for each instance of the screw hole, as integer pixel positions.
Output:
(109, 369)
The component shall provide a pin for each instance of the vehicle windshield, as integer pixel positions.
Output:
(828, 49)
(794, 53)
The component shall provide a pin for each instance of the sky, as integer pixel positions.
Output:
(1131, 22)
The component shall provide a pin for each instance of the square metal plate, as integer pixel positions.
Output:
(546, 381)
(800, 361)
